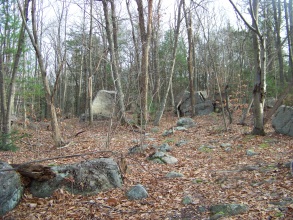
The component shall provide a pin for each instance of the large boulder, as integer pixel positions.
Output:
(103, 105)
(283, 120)
(11, 189)
(87, 178)
(202, 106)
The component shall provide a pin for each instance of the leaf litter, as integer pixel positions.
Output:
(212, 175)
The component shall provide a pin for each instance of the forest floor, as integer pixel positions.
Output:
(211, 175)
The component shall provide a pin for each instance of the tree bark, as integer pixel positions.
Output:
(174, 51)
(90, 81)
(188, 21)
(145, 35)
(259, 90)
(49, 98)
(114, 60)
(289, 32)
(259, 45)
(156, 72)
(277, 19)
(7, 108)
(133, 36)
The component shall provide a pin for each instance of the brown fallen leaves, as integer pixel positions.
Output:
(211, 176)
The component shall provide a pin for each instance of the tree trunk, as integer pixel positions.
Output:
(145, 42)
(155, 57)
(277, 19)
(174, 51)
(259, 90)
(49, 99)
(190, 58)
(133, 36)
(259, 45)
(290, 14)
(90, 81)
(7, 108)
(2, 96)
(289, 32)
(114, 60)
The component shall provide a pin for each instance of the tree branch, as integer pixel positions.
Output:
(243, 19)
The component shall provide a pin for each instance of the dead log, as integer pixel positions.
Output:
(34, 171)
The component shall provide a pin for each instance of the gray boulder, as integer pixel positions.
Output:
(137, 192)
(137, 149)
(89, 177)
(168, 132)
(202, 106)
(250, 152)
(186, 122)
(174, 174)
(222, 210)
(103, 106)
(187, 200)
(180, 128)
(11, 189)
(283, 120)
(181, 143)
(162, 157)
(165, 148)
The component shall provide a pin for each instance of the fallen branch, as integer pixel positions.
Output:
(35, 171)
(80, 132)
(56, 158)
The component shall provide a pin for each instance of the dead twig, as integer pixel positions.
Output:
(80, 132)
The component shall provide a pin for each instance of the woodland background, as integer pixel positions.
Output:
(66, 51)
(56, 55)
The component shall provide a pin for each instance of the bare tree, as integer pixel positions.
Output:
(277, 19)
(49, 94)
(111, 34)
(145, 35)
(155, 55)
(90, 80)
(289, 30)
(174, 51)
(190, 59)
(6, 107)
(259, 44)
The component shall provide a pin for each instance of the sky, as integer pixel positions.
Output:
(222, 7)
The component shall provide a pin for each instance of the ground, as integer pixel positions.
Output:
(212, 174)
